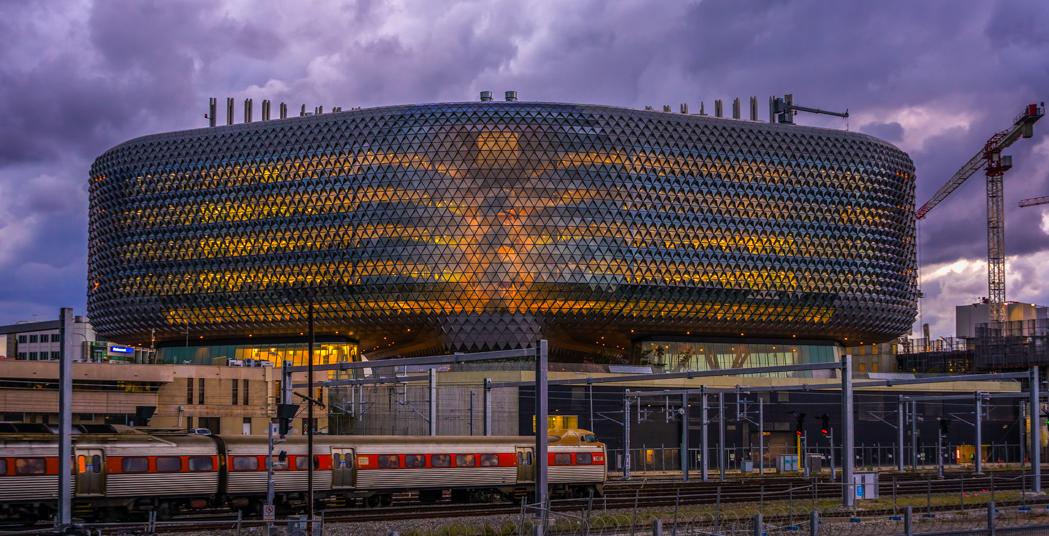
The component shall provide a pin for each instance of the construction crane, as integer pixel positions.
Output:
(1032, 201)
(994, 164)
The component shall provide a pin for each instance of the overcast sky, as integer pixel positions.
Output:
(934, 77)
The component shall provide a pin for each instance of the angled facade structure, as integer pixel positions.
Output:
(491, 224)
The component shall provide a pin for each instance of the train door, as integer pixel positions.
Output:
(90, 472)
(343, 468)
(525, 465)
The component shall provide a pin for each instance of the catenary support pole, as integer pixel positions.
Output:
(541, 411)
(978, 425)
(309, 424)
(1020, 430)
(1035, 414)
(914, 435)
(761, 436)
(721, 434)
(487, 406)
(900, 425)
(65, 419)
(848, 458)
(939, 451)
(626, 434)
(704, 439)
(684, 437)
(590, 397)
(433, 401)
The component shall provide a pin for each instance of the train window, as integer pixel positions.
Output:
(562, 458)
(201, 464)
(389, 461)
(245, 463)
(584, 458)
(300, 463)
(3, 466)
(465, 460)
(96, 463)
(30, 466)
(489, 460)
(337, 461)
(169, 464)
(414, 460)
(441, 460)
(135, 464)
(278, 464)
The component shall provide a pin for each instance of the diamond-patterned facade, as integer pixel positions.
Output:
(486, 225)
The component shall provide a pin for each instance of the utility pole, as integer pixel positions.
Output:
(848, 458)
(65, 420)
(1036, 431)
(626, 434)
(703, 437)
(309, 424)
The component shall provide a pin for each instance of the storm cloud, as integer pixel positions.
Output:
(936, 78)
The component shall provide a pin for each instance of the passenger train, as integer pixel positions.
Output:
(120, 471)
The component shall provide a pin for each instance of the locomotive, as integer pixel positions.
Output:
(120, 471)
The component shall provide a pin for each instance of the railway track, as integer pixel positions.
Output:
(646, 493)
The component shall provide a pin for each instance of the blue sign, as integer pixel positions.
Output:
(121, 350)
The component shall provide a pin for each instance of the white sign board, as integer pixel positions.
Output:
(268, 511)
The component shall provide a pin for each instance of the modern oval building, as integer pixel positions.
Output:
(457, 227)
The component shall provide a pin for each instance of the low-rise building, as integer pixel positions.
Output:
(224, 399)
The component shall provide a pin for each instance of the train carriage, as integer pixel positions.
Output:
(247, 469)
(125, 470)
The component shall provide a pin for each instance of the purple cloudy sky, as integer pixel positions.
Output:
(934, 77)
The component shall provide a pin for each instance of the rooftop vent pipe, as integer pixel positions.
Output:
(719, 110)
(753, 108)
(486, 96)
(684, 108)
(511, 96)
(247, 111)
(229, 110)
(212, 110)
(265, 109)
(666, 108)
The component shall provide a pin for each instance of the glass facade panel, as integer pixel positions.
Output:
(680, 356)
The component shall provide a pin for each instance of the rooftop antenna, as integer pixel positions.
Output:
(212, 110)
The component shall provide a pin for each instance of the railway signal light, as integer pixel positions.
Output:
(285, 413)
(825, 425)
(945, 426)
(800, 426)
